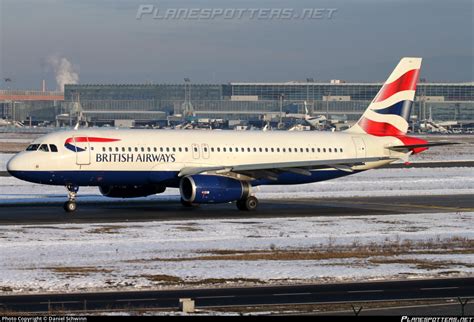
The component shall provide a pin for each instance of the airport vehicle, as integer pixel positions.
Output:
(223, 166)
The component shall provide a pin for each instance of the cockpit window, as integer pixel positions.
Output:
(32, 147)
(53, 148)
(44, 148)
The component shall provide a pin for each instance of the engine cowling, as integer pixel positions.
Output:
(131, 191)
(212, 189)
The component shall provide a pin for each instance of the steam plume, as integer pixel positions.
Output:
(64, 70)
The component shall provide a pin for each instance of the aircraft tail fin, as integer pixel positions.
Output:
(389, 112)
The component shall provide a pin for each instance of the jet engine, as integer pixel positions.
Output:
(212, 189)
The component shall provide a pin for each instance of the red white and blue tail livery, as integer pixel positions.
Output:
(223, 166)
(389, 112)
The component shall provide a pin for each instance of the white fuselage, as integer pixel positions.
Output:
(145, 156)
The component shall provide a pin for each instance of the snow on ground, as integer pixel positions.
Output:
(4, 157)
(380, 182)
(78, 257)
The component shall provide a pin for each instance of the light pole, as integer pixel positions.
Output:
(328, 95)
(13, 112)
(187, 96)
(280, 124)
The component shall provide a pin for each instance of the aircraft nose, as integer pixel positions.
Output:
(12, 165)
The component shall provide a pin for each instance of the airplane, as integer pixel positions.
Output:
(314, 121)
(223, 166)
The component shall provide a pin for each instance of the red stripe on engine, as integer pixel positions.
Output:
(406, 82)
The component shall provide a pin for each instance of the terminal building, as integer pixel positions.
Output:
(252, 101)
(157, 103)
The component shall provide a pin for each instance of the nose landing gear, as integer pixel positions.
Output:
(70, 205)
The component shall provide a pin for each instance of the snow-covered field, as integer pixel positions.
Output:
(383, 182)
(78, 257)
(4, 157)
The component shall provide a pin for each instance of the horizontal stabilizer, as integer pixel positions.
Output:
(402, 148)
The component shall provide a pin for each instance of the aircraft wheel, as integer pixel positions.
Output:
(70, 206)
(248, 204)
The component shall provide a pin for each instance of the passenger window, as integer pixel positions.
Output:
(218, 149)
(230, 149)
(205, 149)
(123, 149)
(143, 149)
(116, 149)
(319, 149)
(53, 148)
(248, 149)
(324, 150)
(186, 149)
(289, 149)
(278, 149)
(340, 150)
(312, 150)
(284, 150)
(154, 149)
(223, 149)
(136, 149)
(110, 149)
(148, 149)
(167, 149)
(260, 149)
(195, 149)
(307, 150)
(161, 149)
(212, 149)
(103, 149)
(330, 150)
(271, 149)
(254, 149)
(266, 149)
(180, 149)
(44, 148)
(174, 149)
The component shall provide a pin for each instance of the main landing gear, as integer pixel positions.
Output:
(70, 205)
(248, 204)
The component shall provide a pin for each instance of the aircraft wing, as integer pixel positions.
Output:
(271, 169)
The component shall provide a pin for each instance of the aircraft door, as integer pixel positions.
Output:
(205, 151)
(359, 147)
(83, 151)
(195, 148)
